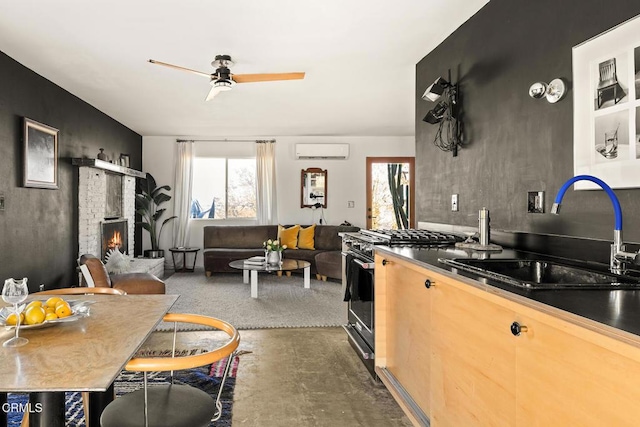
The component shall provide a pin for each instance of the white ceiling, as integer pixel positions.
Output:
(359, 57)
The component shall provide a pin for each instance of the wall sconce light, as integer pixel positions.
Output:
(445, 113)
(552, 91)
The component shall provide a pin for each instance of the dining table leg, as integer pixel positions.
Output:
(98, 400)
(46, 409)
(5, 409)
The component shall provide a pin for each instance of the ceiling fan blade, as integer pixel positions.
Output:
(177, 67)
(250, 78)
(213, 92)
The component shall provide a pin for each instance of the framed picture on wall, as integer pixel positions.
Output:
(40, 155)
(606, 107)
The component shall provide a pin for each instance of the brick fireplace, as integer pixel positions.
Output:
(98, 203)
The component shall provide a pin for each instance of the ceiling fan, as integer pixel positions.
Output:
(223, 79)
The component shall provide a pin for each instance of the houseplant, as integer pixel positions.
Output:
(148, 202)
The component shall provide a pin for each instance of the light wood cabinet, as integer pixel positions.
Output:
(472, 361)
(403, 332)
(570, 376)
(450, 352)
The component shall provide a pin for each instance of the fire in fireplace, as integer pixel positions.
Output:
(114, 235)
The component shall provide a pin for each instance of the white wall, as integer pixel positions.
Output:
(346, 178)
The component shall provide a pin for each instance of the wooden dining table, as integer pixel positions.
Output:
(84, 355)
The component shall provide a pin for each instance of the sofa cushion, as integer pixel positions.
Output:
(289, 236)
(238, 236)
(326, 236)
(306, 237)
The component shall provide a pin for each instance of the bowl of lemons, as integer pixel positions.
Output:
(42, 313)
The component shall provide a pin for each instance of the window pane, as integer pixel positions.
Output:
(208, 188)
(242, 188)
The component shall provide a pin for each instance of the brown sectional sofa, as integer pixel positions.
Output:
(223, 244)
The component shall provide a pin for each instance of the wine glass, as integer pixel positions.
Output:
(14, 292)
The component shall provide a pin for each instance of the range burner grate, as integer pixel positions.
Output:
(413, 237)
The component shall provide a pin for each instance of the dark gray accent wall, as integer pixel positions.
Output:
(38, 228)
(514, 143)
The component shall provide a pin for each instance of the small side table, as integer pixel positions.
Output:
(184, 252)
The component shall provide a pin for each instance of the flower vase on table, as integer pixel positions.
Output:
(274, 257)
(273, 252)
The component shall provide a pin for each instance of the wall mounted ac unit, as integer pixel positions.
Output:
(322, 151)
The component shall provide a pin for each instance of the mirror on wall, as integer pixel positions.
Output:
(313, 186)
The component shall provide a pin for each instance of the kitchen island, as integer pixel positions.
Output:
(457, 349)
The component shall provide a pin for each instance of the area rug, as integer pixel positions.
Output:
(206, 378)
(282, 302)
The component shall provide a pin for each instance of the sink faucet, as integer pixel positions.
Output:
(619, 257)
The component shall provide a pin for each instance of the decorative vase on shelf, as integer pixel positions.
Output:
(274, 257)
(101, 155)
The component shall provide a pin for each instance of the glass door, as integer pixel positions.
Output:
(390, 193)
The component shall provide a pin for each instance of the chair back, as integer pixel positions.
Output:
(607, 71)
(96, 268)
(163, 404)
(82, 291)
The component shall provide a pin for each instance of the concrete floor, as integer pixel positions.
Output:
(301, 377)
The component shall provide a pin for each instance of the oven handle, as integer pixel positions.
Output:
(363, 265)
(364, 354)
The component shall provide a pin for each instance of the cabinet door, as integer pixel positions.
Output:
(408, 314)
(472, 359)
(569, 376)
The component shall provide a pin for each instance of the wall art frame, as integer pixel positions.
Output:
(40, 155)
(606, 107)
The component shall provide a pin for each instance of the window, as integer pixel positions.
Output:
(224, 188)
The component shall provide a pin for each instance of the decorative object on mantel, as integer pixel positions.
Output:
(445, 114)
(554, 91)
(124, 160)
(148, 202)
(101, 155)
(40, 155)
(117, 262)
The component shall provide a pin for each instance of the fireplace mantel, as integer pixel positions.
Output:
(101, 164)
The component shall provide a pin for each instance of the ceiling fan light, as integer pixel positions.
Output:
(222, 85)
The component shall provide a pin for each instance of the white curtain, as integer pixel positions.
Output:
(266, 177)
(182, 193)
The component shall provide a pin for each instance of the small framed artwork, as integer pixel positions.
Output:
(124, 160)
(40, 155)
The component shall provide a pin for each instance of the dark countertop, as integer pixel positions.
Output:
(619, 309)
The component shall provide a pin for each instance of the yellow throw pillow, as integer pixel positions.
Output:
(289, 236)
(306, 237)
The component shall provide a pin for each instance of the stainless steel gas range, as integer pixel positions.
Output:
(358, 252)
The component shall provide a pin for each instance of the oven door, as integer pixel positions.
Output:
(359, 294)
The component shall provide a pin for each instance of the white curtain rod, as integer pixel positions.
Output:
(226, 140)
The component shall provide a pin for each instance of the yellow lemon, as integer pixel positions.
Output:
(12, 319)
(34, 316)
(51, 302)
(51, 316)
(33, 304)
(63, 310)
(49, 310)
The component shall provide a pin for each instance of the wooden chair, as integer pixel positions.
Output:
(82, 291)
(608, 80)
(76, 291)
(173, 404)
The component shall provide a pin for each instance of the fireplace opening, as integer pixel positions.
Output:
(114, 235)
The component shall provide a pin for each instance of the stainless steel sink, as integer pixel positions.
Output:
(543, 274)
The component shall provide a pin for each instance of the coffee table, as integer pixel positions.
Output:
(286, 265)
